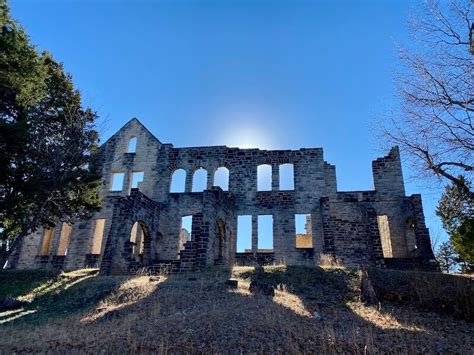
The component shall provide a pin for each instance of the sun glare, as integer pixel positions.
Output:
(246, 125)
(247, 138)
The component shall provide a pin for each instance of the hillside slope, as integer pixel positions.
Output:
(198, 313)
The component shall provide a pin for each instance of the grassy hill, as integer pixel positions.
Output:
(83, 312)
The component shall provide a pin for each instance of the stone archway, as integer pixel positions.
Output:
(140, 242)
(131, 241)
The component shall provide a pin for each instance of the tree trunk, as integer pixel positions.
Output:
(6, 253)
(367, 291)
(3, 256)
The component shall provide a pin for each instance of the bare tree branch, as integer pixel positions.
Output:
(434, 125)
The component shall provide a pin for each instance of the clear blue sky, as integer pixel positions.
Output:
(271, 74)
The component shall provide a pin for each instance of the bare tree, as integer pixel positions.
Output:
(435, 238)
(434, 127)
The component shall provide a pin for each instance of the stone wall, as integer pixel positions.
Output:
(343, 224)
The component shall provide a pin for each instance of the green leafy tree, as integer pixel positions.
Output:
(447, 257)
(456, 210)
(47, 140)
(463, 242)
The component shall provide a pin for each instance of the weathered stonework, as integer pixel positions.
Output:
(343, 224)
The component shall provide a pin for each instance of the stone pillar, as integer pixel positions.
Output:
(188, 187)
(275, 177)
(127, 182)
(373, 233)
(254, 233)
(317, 231)
(328, 238)
(56, 238)
(422, 234)
(388, 176)
(210, 178)
(284, 238)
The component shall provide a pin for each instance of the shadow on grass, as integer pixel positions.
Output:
(17, 283)
(198, 313)
(50, 295)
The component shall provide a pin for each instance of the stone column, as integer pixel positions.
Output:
(422, 234)
(275, 177)
(254, 233)
(56, 238)
(210, 178)
(328, 238)
(127, 182)
(189, 181)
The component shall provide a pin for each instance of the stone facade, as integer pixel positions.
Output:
(379, 227)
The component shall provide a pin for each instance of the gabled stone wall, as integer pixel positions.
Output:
(343, 224)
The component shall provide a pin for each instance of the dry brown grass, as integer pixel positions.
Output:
(327, 260)
(175, 315)
(451, 294)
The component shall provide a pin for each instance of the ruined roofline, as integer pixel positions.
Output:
(250, 150)
(171, 145)
(133, 119)
(393, 154)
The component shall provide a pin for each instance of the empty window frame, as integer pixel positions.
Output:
(97, 236)
(264, 177)
(286, 177)
(178, 181)
(265, 233)
(244, 234)
(199, 180)
(132, 145)
(137, 178)
(303, 231)
(185, 231)
(221, 178)
(65, 237)
(116, 183)
(384, 230)
(48, 233)
(137, 239)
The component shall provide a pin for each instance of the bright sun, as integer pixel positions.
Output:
(247, 137)
(246, 126)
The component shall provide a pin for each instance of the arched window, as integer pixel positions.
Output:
(132, 145)
(287, 177)
(264, 177)
(199, 180)
(221, 178)
(137, 239)
(178, 181)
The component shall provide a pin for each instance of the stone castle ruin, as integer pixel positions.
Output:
(148, 198)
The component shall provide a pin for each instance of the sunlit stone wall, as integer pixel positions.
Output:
(344, 224)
